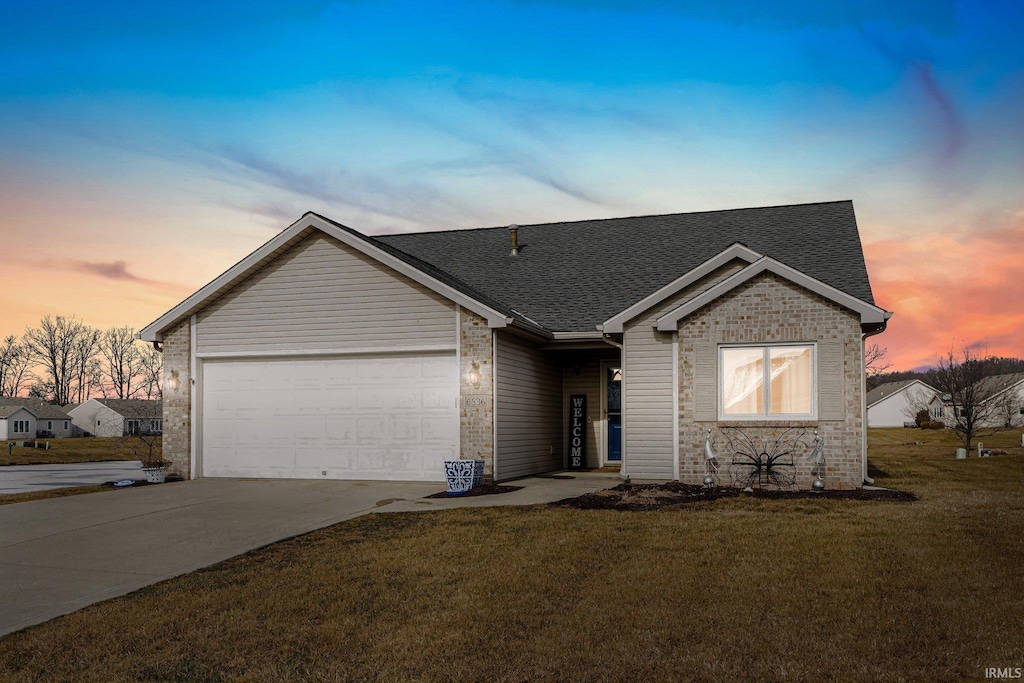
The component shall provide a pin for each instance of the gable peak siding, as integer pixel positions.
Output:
(323, 295)
(648, 401)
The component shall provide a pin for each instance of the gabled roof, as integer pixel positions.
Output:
(134, 407)
(39, 408)
(994, 385)
(410, 266)
(574, 277)
(869, 313)
(888, 389)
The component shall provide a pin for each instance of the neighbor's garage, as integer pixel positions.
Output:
(353, 417)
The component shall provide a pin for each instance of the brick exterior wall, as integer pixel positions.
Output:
(476, 404)
(771, 309)
(177, 439)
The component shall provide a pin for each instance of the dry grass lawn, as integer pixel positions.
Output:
(737, 589)
(49, 493)
(83, 449)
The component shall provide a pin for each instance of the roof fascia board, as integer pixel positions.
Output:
(561, 336)
(736, 251)
(154, 331)
(868, 312)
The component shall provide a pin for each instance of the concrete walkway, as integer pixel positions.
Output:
(29, 478)
(61, 554)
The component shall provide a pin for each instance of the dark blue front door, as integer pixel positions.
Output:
(615, 438)
(613, 403)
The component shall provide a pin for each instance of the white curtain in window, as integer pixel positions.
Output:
(791, 381)
(743, 381)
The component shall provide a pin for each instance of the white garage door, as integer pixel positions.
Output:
(381, 417)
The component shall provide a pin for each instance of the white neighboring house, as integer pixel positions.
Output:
(28, 418)
(1001, 403)
(893, 403)
(118, 416)
(1004, 400)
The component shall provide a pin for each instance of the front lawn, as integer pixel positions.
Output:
(732, 589)
(80, 449)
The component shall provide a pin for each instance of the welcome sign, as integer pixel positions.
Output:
(577, 425)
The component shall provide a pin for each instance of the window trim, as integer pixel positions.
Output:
(765, 387)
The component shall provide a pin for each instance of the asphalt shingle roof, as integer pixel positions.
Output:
(994, 384)
(887, 389)
(38, 407)
(574, 276)
(134, 407)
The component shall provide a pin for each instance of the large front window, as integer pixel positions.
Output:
(766, 382)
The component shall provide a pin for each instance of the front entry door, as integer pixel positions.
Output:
(613, 412)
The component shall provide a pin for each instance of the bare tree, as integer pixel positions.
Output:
(14, 366)
(123, 359)
(151, 364)
(963, 381)
(876, 360)
(87, 345)
(53, 345)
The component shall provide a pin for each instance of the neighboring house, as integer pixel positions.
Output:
(330, 353)
(16, 422)
(894, 403)
(118, 417)
(27, 418)
(1004, 400)
(1001, 401)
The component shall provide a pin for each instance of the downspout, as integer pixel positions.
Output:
(607, 338)
(864, 396)
(622, 363)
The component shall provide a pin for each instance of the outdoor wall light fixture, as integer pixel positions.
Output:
(173, 381)
(474, 375)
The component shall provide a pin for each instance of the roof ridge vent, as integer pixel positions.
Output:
(513, 231)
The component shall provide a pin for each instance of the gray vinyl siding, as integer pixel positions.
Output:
(529, 410)
(325, 295)
(647, 391)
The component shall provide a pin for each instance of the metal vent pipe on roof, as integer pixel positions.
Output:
(513, 231)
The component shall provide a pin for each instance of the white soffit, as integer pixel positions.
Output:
(869, 313)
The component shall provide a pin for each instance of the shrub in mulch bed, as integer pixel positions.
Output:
(640, 497)
(484, 490)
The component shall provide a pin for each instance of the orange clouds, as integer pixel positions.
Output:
(953, 288)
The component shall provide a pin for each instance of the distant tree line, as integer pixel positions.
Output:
(976, 366)
(63, 360)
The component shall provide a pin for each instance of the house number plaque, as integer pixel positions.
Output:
(577, 431)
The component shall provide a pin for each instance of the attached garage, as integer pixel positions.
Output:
(377, 417)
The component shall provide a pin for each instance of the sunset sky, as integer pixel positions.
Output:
(146, 147)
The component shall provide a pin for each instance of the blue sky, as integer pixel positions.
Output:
(151, 145)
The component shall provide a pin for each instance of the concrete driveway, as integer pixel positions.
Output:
(61, 554)
(29, 478)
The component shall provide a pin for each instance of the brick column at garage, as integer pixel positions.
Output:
(476, 403)
(177, 439)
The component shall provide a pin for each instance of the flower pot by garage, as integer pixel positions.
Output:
(155, 475)
(463, 475)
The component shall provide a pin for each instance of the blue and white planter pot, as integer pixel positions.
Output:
(463, 475)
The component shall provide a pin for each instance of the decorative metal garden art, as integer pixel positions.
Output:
(817, 458)
(710, 462)
(764, 460)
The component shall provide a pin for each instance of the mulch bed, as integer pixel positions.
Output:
(484, 490)
(642, 497)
